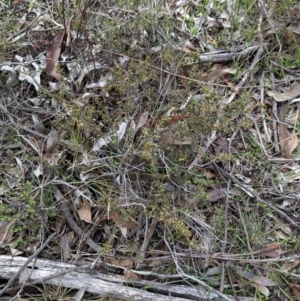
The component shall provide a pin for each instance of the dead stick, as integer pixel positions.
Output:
(147, 239)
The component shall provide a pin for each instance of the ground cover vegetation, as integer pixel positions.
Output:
(156, 140)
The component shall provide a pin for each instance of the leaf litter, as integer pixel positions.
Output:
(144, 135)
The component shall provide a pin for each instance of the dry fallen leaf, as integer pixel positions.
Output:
(169, 121)
(288, 142)
(168, 136)
(294, 29)
(25, 274)
(119, 221)
(12, 76)
(126, 263)
(102, 141)
(85, 212)
(296, 290)
(65, 247)
(258, 281)
(142, 120)
(273, 250)
(68, 31)
(58, 223)
(293, 142)
(216, 194)
(249, 275)
(289, 265)
(15, 252)
(88, 67)
(78, 296)
(261, 288)
(141, 123)
(53, 55)
(216, 71)
(128, 274)
(6, 233)
(52, 141)
(289, 94)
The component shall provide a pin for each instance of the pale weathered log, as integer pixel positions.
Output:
(102, 284)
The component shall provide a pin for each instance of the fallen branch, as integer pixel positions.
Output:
(26, 263)
(101, 284)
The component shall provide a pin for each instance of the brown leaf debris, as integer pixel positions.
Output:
(53, 55)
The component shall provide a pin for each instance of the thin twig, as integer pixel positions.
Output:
(224, 242)
(275, 118)
(262, 93)
(229, 257)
